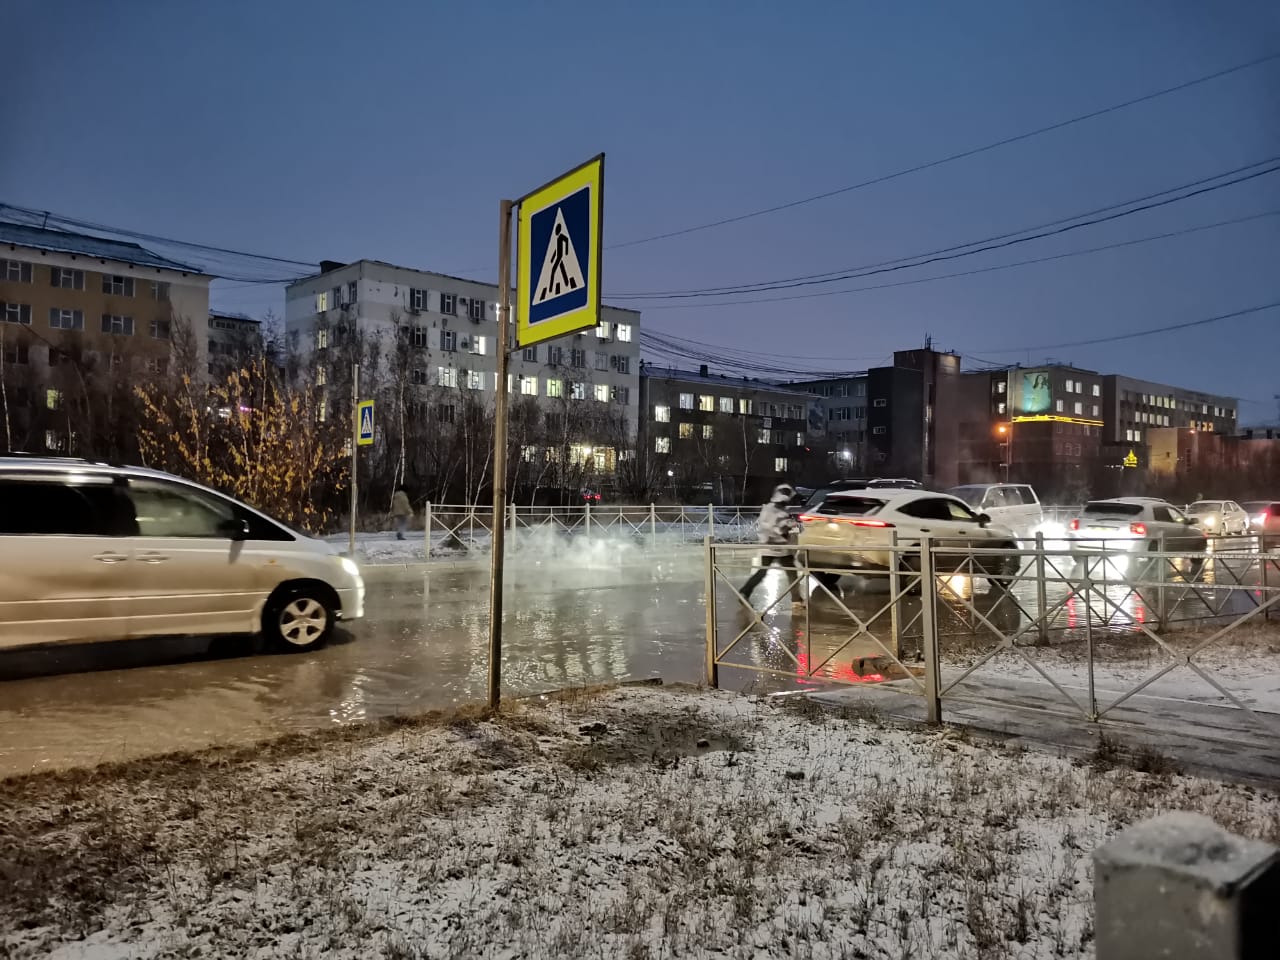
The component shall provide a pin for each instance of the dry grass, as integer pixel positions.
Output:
(636, 823)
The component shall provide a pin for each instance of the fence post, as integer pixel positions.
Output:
(1262, 574)
(711, 520)
(895, 594)
(929, 635)
(653, 525)
(713, 668)
(587, 518)
(511, 512)
(1088, 631)
(1042, 592)
(426, 530)
(1179, 885)
(1162, 602)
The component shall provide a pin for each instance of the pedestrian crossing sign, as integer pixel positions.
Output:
(364, 422)
(558, 256)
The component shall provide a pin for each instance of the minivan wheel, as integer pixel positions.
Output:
(298, 620)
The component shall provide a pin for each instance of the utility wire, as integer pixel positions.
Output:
(968, 273)
(1110, 212)
(974, 151)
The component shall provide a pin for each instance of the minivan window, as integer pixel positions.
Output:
(169, 510)
(56, 508)
(1100, 508)
(970, 495)
(1028, 495)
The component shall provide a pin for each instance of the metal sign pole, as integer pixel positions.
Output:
(500, 455)
(355, 445)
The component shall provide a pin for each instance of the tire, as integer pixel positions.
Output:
(297, 619)
(828, 580)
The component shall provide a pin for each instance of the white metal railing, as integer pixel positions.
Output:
(921, 620)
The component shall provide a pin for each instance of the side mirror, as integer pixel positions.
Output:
(984, 519)
(235, 528)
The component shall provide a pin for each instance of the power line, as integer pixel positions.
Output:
(972, 247)
(968, 273)
(884, 178)
(1137, 333)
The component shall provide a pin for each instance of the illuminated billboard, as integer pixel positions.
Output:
(1036, 395)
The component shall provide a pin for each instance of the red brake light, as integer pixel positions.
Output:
(1075, 524)
(852, 521)
(870, 523)
(1138, 529)
(807, 518)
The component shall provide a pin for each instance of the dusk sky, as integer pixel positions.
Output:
(391, 130)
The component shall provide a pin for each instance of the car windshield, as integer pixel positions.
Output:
(850, 506)
(1204, 506)
(1101, 508)
(970, 495)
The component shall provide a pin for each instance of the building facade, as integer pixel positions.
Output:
(234, 340)
(729, 439)
(1134, 407)
(438, 336)
(838, 422)
(82, 319)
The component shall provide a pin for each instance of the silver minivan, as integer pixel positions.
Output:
(95, 552)
(1012, 505)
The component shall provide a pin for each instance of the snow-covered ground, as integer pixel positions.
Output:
(641, 822)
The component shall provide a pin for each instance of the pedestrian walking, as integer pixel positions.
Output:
(776, 528)
(401, 512)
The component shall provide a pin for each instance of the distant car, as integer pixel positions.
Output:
(867, 520)
(1014, 505)
(1264, 517)
(96, 552)
(1222, 518)
(591, 496)
(1134, 525)
(852, 484)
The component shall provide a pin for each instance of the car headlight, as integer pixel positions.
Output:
(349, 566)
(1210, 521)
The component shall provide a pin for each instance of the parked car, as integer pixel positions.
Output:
(1220, 518)
(851, 484)
(96, 552)
(1264, 517)
(1013, 505)
(1133, 525)
(867, 520)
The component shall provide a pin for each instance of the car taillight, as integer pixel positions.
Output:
(1074, 525)
(1138, 529)
(852, 521)
(807, 518)
(881, 524)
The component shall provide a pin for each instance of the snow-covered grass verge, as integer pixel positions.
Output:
(638, 822)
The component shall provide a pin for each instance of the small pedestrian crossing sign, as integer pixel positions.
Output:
(558, 256)
(364, 423)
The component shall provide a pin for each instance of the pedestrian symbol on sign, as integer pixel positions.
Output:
(561, 271)
(365, 423)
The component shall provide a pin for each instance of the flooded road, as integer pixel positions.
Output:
(573, 618)
(423, 645)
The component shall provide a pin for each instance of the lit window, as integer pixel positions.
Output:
(779, 464)
(1095, 411)
(322, 409)
(764, 436)
(661, 414)
(475, 379)
(53, 399)
(799, 439)
(478, 345)
(686, 401)
(322, 302)
(555, 388)
(602, 392)
(578, 391)
(686, 431)
(322, 338)
(661, 444)
(726, 404)
(1078, 408)
(707, 431)
(623, 331)
(529, 386)
(1058, 406)
(602, 330)
(707, 404)
(1097, 390)
(744, 407)
(322, 376)
(447, 376)
(1000, 386)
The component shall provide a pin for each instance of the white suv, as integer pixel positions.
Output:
(96, 552)
(1014, 505)
(1134, 525)
(867, 520)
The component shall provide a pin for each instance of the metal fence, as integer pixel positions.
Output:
(450, 528)
(1078, 629)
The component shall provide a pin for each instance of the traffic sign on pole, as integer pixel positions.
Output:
(558, 255)
(364, 432)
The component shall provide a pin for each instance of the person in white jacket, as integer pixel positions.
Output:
(776, 528)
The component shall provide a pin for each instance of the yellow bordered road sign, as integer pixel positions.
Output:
(558, 255)
(364, 420)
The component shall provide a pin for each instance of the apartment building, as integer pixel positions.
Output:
(234, 340)
(728, 438)
(838, 421)
(440, 333)
(1134, 407)
(81, 317)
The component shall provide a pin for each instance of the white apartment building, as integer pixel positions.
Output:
(452, 325)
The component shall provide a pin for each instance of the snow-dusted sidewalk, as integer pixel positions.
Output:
(641, 822)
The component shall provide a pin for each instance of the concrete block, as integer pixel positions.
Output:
(1179, 887)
